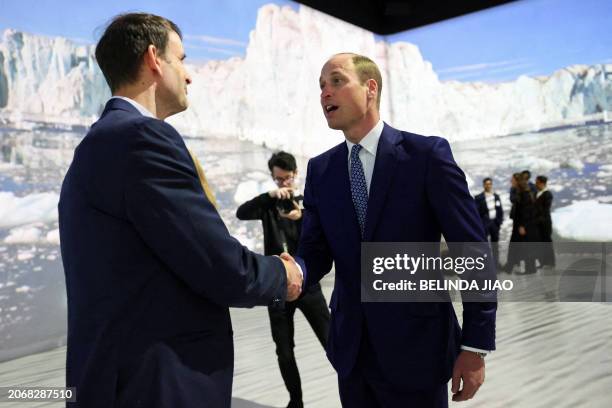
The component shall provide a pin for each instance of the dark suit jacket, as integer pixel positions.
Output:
(483, 210)
(417, 193)
(150, 271)
(543, 205)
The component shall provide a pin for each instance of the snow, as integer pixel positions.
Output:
(24, 255)
(588, 220)
(247, 190)
(37, 207)
(23, 235)
(53, 237)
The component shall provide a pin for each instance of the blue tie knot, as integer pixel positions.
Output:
(355, 150)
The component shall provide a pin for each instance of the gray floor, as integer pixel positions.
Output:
(549, 355)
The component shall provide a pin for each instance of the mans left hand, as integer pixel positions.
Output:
(470, 368)
(294, 214)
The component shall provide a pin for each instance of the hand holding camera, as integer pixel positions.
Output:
(286, 205)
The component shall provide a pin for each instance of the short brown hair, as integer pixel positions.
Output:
(124, 42)
(366, 69)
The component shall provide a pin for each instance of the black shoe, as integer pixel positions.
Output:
(295, 404)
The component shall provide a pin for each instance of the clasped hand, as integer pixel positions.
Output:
(294, 277)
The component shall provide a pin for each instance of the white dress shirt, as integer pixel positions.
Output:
(539, 193)
(367, 155)
(490, 199)
(144, 111)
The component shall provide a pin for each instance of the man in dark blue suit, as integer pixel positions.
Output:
(386, 185)
(150, 266)
(491, 213)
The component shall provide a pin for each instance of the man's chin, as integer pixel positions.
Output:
(177, 109)
(333, 125)
(182, 107)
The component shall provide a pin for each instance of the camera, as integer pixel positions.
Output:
(286, 205)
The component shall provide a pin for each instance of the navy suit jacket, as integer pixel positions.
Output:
(483, 210)
(150, 271)
(417, 193)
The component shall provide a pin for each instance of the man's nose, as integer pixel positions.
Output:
(325, 92)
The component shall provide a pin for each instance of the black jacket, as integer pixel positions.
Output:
(277, 230)
(543, 204)
(526, 215)
(151, 271)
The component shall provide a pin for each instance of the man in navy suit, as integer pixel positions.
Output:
(491, 213)
(388, 354)
(150, 266)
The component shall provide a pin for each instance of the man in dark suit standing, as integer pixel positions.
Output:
(150, 266)
(491, 213)
(544, 199)
(386, 185)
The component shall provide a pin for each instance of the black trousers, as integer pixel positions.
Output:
(492, 232)
(314, 308)
(546, 251)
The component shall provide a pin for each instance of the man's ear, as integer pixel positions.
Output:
(372, 88)
(152, 59)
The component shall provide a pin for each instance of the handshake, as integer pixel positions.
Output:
(295, 277)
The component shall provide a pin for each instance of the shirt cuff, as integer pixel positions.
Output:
(475, 350)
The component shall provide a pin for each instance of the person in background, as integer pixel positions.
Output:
(280, 213)
(525, 218)
(492, 215)
(526, 174)
(512, 259)
(544, 199)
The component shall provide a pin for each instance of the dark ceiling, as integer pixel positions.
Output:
(392, 16)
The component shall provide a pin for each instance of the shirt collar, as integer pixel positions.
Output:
(539, 193)
(370, 141)
(143, 111)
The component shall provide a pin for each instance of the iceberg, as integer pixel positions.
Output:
(270, 96)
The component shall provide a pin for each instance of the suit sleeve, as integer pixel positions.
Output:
(456, 213)
(313, 247)
(166, 204)
(548, 199)
(254, 209)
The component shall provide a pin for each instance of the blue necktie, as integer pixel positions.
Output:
(359, 188)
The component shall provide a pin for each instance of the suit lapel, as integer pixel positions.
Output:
(337, 188)
(384, 171)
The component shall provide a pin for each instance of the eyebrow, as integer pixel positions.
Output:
(334, 72)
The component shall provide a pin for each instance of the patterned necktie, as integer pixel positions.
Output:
(359, 188)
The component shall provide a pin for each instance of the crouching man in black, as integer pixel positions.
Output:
(281, 215)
